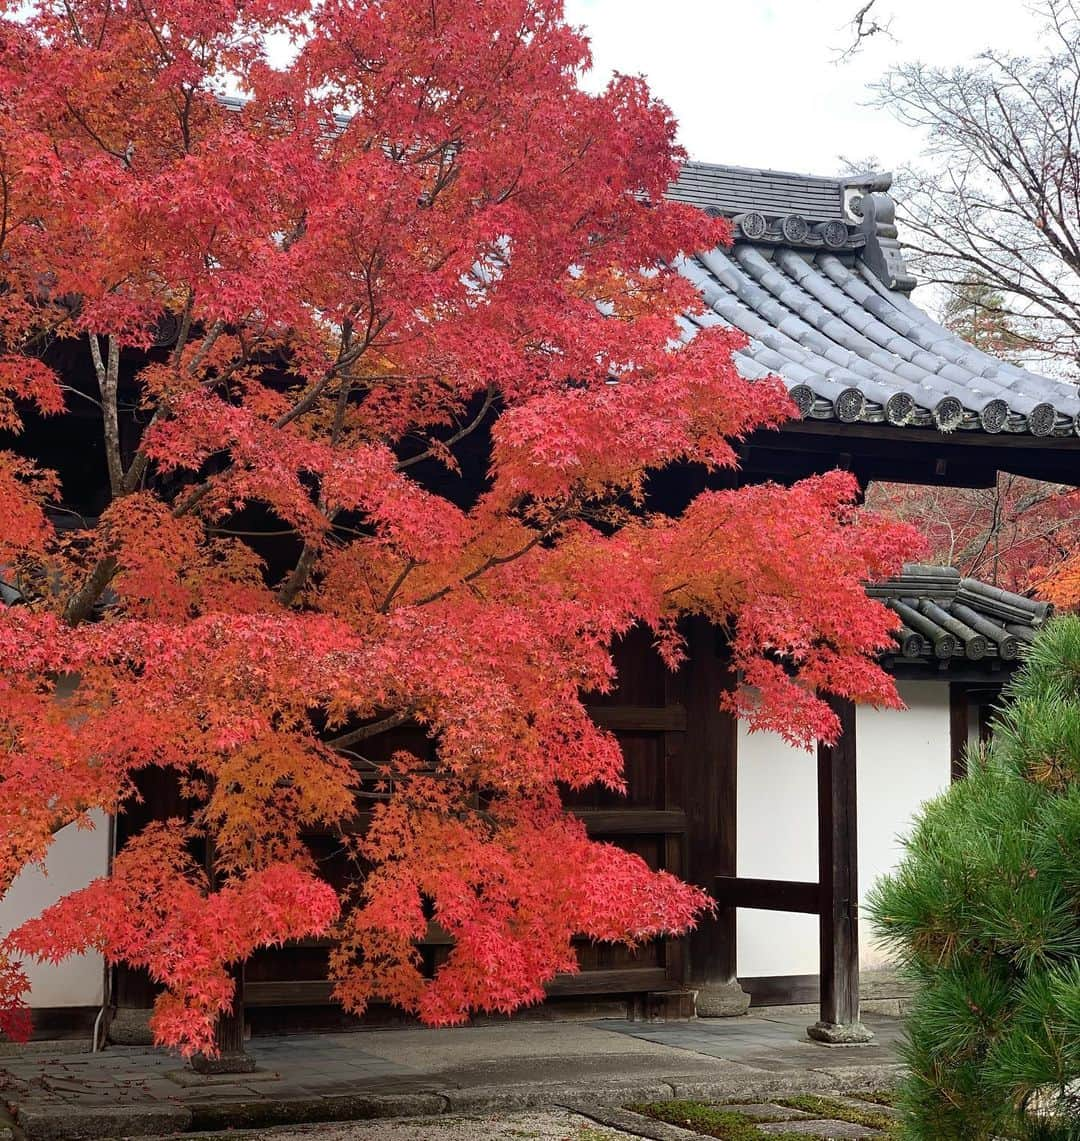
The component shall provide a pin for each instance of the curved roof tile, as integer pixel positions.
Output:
(832, 318)
(946, 617)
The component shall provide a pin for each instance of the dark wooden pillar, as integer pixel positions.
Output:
(708, 793)
(959, 728)
(838, 874)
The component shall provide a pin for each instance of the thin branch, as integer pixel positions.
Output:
(398, 583)
(469, 428)
(499, 560)
(864, 26)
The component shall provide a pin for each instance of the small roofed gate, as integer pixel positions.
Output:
(679, 750)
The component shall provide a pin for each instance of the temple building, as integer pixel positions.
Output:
(787, 842)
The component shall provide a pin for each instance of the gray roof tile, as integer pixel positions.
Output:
(847, 344)
(947, 617)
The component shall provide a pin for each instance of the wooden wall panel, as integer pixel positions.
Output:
(646, 711)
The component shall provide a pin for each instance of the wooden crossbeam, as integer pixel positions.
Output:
(768, 895)
(316, 992)
(640, 718)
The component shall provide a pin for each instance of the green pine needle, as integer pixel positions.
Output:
(984, 915)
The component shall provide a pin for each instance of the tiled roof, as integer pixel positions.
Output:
(946, 617)
(817, 281)
(734, 189)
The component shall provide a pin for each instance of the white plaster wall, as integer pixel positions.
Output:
(777, 839)
(76, 857)
(903, 760)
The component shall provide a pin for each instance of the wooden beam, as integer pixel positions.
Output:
(782, 990)
(675, 949)
(992, 672)
(617, 718)
(838, 870)
(974, 458)
(909, 437)
(599, 821)
(632, 821)
(768, 895)
(316, 992)
(639, 718)
(630, 980)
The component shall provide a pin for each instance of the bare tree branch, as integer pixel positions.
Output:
(997, 196)
(863, 26)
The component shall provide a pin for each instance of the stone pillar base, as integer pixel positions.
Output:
(224, 1063)
(130, 1026)
(722, 1000)
(840, 1034)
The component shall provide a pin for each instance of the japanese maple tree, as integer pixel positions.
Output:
(1062, 584)
(376, 353)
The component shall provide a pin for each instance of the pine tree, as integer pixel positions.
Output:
(984, 915)
(979, 313)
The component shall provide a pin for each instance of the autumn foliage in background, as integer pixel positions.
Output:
(379, 474)
(1021, 534)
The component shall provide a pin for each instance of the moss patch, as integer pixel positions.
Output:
(828, 1108)
(889, 1097)
(711, 1120)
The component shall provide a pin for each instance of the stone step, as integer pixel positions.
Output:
(821, 1128)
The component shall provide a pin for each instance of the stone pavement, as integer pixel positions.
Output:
(528, 1125)
(510, 1066)
(592, 1124)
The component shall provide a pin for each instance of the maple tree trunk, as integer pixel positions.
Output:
(229, 1035)
(229, 1028)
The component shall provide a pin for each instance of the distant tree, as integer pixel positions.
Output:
(1062, 583)
(997, 199)
(1017, 534)
(976, 311)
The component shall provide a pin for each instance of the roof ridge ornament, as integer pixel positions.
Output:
(876, 212)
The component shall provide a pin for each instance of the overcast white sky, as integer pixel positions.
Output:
(756, 83)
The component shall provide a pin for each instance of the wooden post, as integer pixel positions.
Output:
(838, 873)
(959, 728)
(708, 793)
